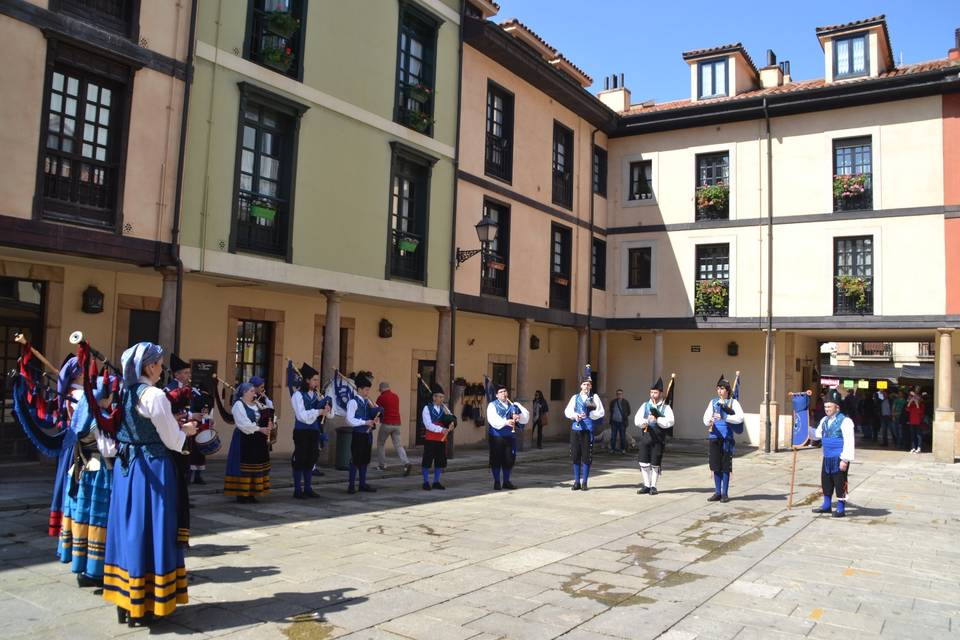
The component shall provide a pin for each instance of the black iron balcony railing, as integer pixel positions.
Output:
(926, 350)
(498, 159)
(872, 350)
(563, 188)
(560, 292)
(712, 298)
(275, 41)
(493, 274)
(407, 255)
(261, 224)
(853, 299)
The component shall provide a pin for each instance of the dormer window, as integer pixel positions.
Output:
(712, 78)
(850, 56)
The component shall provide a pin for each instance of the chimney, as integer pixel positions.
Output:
(615, 94)
(771, 75)
(785, 69)
(954, 54)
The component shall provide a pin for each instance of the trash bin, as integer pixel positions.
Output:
(344, 437)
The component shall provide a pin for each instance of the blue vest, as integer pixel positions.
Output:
(721, 429)
(311, 400)
(832, 438)
(505, 411)
(252, 414)
(580, 406)
(364, 412)
(137, 435)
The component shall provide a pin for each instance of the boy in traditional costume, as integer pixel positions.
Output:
(723, 417)
(836, 431)
(653, 418)
(583, 409)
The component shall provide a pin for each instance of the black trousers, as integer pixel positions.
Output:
(305, 453)
(501, 452)
(720, 460)
(434, 454)
(360, 447)
(651, 446)
(833, 482)
(538, 429)
(581, 447)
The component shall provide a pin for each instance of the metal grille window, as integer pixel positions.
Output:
(713, 186)
(416, 61)
(640, 268)
(641, 180)
(712, 296)
(409, 199)
(495, 269)
(275, 35)
(853, 275)
(253, 350)
(599, 264)
(851, 56)
(82, 153)
(562, 166)
(498, 161)
(853, 174)
(119, 16)
(560, 267)
(501, 374)
(262, 202)
(600, 171)
(712, 78)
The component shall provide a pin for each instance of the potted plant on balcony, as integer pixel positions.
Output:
(710, 297)
(263, 210)
(279, 58)
(713, 199)
(854, 289)
(407, 243)
(849, 186)
(282, 23)
(560, 280)
(419, 92)
(496, 264)
(419, 121)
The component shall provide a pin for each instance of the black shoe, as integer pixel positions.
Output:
(351, 490)
(122, 615)
(496, 485)
(725, 498)
(198, 479)
(839, 514)
(821, 510)
(653, 491)
(86, 581)
(508, 485)
(311, 494)
(714, 498)
(406, 470)
(575, 487)
(367, 488)
(425, 486)
(643, 490)
(437, 485)
(583, 486)
(298, 494)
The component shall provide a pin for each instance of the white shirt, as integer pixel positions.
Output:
(241, 420)
(495, 421)
(735, 418)
(154, 405)
(846, 428)
(428, 420)
(303, 415)
(664, 422)
(571, 410)
(352, 418)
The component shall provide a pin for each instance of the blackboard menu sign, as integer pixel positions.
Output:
(201, 375)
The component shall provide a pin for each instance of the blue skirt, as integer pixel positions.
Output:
(83, 531)
(144, 571)
(63, 463)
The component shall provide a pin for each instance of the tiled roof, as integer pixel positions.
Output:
(851, 25)
(547, 52)
(561, 60)
(513, 23)
(733, 47)
(793, 87)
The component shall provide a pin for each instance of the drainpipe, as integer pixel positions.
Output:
(175, 231)
(768, 378)
(593, 160)
(453, 228)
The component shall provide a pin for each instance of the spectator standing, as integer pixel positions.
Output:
(868, 417)
(619, 414)
(915, 411)
(541, 416)
(900, 418)
(886, 418)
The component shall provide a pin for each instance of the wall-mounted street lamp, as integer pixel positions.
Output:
(486, 232)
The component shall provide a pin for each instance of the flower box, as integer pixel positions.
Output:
(419, 93)
(419, 121)
(493, 264)
(278, 58)
(560, 281)
(263, 211)
(282, 23)
(854, 289)
(711, 297)
(408, 244)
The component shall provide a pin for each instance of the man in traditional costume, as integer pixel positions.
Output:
(653, 418)
(144, 573)
(505, 420)
(583, 409)
(723, 417)
(364, 417)
(836, 431)
(309, 406)
(437, 421)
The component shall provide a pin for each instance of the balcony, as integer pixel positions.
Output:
(853, 192)
(853, 295)
(406, 255)
(712, 299)
(871, 351)
(275, 41)
(563, 188)
(926, 351)
(560, 292)
(261, 224)
(493, 274)
(498, 157)
(713, 202)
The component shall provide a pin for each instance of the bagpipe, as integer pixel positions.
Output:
(37, 404)
(666, 400)
(448, 420)
(342, 390)
(87, 358)
(226, 415)
(295, 383)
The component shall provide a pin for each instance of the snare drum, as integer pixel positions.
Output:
(207, 442)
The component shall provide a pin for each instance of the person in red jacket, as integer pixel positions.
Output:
(915, 411)
(390, 427)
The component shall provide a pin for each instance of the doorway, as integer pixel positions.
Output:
(21, 311)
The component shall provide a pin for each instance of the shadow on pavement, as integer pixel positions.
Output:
(230, 574)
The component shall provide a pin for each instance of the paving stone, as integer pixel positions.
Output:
(510, 627)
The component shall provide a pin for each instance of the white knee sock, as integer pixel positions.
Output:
(645, 470)
(654, 475)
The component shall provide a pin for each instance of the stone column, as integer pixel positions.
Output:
(443, 350)
(523, 361)
(582, 337)
(330, 355)
(657, 356)
(168, 311)
(602, 387)
(945, 418)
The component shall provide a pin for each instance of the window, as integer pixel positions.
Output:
(409, 201)
(266, 167)
(641, 180)
(851, 56)
(416, 59)
(562, 166)
(500, 375)
(557, 390)
(495, 267)
(560, 249)
(713, 186)
(640, 268)
(712, 295)
(275, 35)
(853, 275)
(712, 79)
(119, 16)
(253, 352)
(852, 174)
(144, 326)
(599, 264)
(600, 171)
(81, 159)
(498, 161)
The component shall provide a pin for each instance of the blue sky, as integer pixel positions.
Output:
(643, 39)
